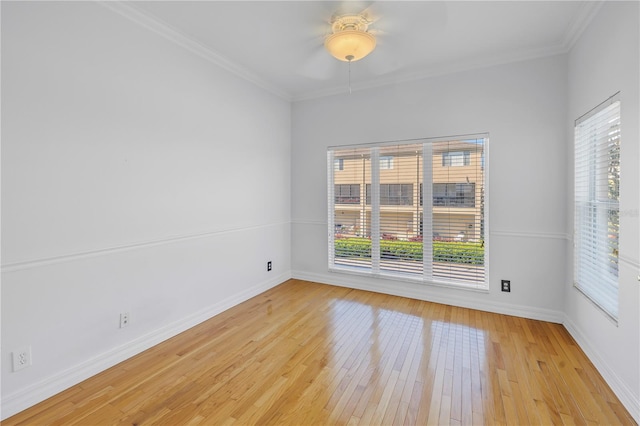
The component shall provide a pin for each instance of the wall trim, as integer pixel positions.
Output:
(158, 26)
(148, 20)
(51, 260)
(56, 383)
(588, 10)
(519, 234)
(622, 391)
(309, 222)
(441, 70)
(511, 234)
(421, 292)
(629, 261)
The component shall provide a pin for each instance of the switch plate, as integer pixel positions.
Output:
(506, 285)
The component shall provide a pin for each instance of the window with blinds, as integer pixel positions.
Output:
(597, 205)
(388, 229)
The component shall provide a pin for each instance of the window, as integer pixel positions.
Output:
(347, 193)
(338, 164)
(393, 194)
(386, 162)
(393, 233)
(597, 209)
(456, 159)
(454, 194)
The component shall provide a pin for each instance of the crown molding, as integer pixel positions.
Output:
(588, 10)
(158, 26)
(439, 70)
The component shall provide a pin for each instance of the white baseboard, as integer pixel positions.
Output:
(622, 391)
(56, 383)
(456, 298)
(27, 397)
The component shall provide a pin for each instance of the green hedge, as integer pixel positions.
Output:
(352, 247)
(443, 251)
(458, 252)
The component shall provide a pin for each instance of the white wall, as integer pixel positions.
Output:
(135, 176)
(522, 106)
(606, 60)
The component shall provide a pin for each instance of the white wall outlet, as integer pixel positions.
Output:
(124, 319)
(21, 358)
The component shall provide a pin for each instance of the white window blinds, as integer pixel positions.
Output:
(597, 211)
(389, 229)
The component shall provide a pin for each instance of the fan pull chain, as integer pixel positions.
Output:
(349, 58)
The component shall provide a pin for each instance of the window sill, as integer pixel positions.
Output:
(408, 278)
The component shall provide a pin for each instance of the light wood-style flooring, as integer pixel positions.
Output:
(311, 354)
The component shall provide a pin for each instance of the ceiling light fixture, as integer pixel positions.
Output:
(350, 40)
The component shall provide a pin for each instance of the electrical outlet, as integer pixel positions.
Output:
(21, 358)
(124, 319)
(506, 285)
(268, 266)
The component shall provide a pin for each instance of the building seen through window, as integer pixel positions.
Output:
(455, 214)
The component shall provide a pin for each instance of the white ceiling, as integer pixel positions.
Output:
(279, 44)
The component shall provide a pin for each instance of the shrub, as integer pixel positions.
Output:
(400, 250)
(458, 252)
(352, 247)
(468, 253)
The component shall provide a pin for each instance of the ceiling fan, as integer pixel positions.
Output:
(371, 31)
(350, 40)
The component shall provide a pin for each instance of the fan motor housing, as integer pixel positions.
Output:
(350, 40)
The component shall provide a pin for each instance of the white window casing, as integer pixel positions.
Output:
(597, 205)
(396, 228)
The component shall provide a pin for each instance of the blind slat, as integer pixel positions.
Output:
(380, 222)
(596, 212)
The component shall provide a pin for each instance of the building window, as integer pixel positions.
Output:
(338, 164)
(393, 194)
(597, 205)
(393, 233)
(347, 193)
(454, 194)
(456, 158)
(386, 162)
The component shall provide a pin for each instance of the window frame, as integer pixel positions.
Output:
(456, 197)
(426, 223)
(354, 193)
(448, 157)
(386, 162)
(404, 189)
(592, 132)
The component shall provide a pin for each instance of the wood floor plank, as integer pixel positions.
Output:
(310, 354)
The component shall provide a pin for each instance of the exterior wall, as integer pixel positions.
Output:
(402, 220)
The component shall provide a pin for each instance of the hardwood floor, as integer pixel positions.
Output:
(309, 354)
